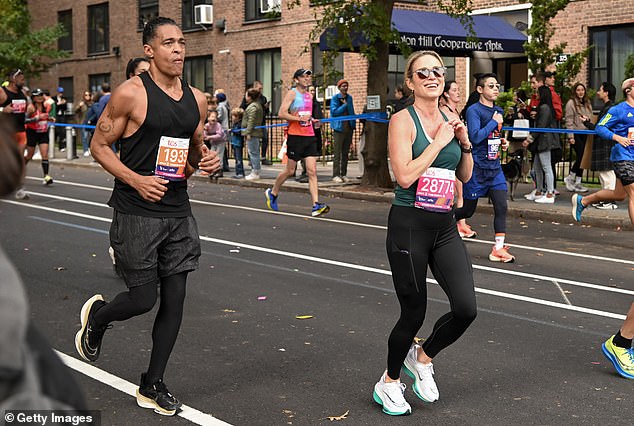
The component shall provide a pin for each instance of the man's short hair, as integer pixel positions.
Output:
(627, 86)
(149, 30)
(610, 89)
(105, 87)
(484, 77)
(253, 93)
(539, 76)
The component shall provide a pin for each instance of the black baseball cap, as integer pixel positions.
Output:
(300, 72)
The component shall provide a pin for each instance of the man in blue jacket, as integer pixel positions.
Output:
(341, 105)
(618, 126)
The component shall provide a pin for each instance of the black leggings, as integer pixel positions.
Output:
(579, 147)
(500, 207)
(417, 239)
(141, 299)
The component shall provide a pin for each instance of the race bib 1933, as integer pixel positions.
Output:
(171, 160)
(435, 190)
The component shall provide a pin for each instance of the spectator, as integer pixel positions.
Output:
(223, 118)
(541, 146)
(214, 137)
(601, 148)
(402, 98)
(81, 110)
(237, 141)
(578, 109)
(557, 154)
(252, 136)
(341, 105)
(61, 116)
(264, 102)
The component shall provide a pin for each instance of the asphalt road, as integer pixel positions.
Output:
(531, 357)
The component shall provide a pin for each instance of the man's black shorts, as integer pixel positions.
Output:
(149, 248)
(298, 147)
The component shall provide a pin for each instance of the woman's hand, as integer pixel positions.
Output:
(445, 133)
(460, 132)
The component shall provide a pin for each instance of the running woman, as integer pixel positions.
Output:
(37, 118)
(428, 151)
(297, 108)
(617, 125)
(484, 121)
(158, 120)
(13, 101)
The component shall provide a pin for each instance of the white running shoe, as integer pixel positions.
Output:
(544, 199)
(252, 176)
(423, 375)
(530, 196)
(21, 194)
(391, 396)
(570, 183)
(580, 188)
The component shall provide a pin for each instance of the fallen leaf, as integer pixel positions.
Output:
(282, 350)
(595, 363)
(337, 418)
(261, 297)
(60, 268)
(228, 310)
(303, 317)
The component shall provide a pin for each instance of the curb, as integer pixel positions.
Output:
(340, 191)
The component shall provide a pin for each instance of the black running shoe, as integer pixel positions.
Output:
(88, 338)
(157, 397)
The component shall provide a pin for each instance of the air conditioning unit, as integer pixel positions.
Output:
(267, 6)
(331, 91)
(204, 14)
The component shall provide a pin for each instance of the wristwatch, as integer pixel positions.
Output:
(466, 150)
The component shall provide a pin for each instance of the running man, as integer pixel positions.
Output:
(484, 121)
(617, 125)
(14, 101)
(158, 121)
(297, 108)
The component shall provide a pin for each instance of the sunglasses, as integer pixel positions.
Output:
(494, 86)
(425, 73)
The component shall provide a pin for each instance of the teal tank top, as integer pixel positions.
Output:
(448, 158)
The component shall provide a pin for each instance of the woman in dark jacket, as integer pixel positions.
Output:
(541, 144)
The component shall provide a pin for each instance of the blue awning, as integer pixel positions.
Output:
(442, 33)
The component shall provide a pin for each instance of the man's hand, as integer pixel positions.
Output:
(210, 162)
(504, 144)
(150, 188)
(498, 117)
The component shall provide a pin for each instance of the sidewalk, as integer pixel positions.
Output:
(522, 208)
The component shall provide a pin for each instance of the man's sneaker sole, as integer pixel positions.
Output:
(145, 402)
(411, 374)
(609, 355)
(378, 400)
(83, 317)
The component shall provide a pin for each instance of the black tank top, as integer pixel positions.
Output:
(18, 102)
(164, 117)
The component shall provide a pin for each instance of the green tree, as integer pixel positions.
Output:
(368, 24)
(541, 55)
(22, 48)
(629, 66)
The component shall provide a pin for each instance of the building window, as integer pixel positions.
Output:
(318, 69)
(96, 80)
(98, 29)
(256, 10)
(65, 19)
(198, 72)
(610, 49)
(266, 66)
(396, 71)
(148, 9)
(188, 13)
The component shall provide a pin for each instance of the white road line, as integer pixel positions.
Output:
(364, 225)
(334, 262)
(122, 385)
(386, 272)
(563, 293)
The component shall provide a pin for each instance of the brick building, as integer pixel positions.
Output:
(243, 43)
